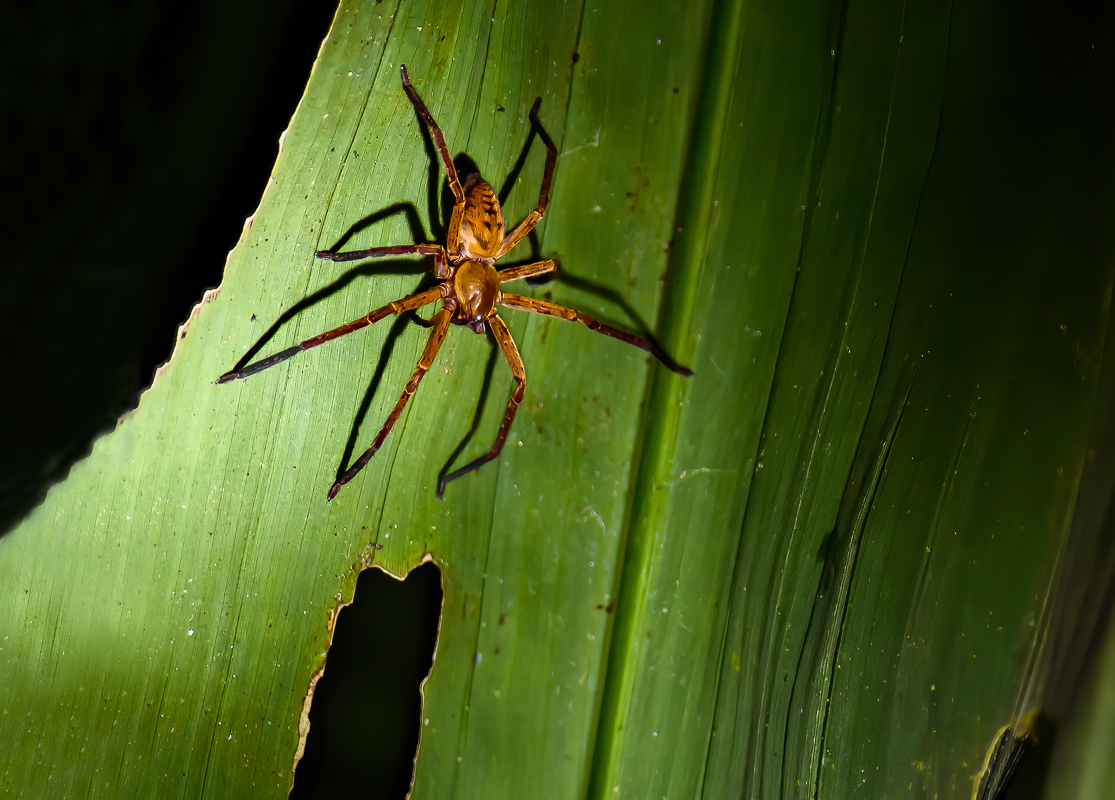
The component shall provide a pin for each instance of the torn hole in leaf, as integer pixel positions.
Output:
(1001, 763)
(364, 721)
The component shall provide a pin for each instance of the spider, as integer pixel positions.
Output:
(469, 290)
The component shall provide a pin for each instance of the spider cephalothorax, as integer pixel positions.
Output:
(476, 285)
(469, 290)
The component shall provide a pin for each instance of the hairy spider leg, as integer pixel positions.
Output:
(425, 361)
(526, 271)
(453, 239)
(408, 303)
(515, 361)
(551, 309)
(435, 250)
(527, 225)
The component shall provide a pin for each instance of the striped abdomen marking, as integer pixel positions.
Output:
(482, 222)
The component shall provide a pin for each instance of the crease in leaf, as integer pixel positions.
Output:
(833, 604)
(659, 422)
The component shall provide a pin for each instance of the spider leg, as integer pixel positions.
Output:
(408, 303)
(433, 344)
(526, 271)
(441, 263)
(527, 225)
(453, 241)
(511, 353)
(554, 310)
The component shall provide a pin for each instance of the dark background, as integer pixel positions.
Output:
(366, 714)
(136, 138)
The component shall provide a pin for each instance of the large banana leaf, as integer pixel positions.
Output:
(826, 563)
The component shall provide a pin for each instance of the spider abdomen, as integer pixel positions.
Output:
(482, 221)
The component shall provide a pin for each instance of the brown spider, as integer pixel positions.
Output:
(469, 289)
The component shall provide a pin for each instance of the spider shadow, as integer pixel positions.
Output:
(606, 293)
(481, 403)
(385, 354)
(440, 205)
(509, 184)
(366, 269)
(439, 214)
(417, 231)
(465, 166)
(634, 323)
(377, 379)
(386, 351)
(439, 197)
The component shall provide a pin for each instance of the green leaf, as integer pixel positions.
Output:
(830, 561)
